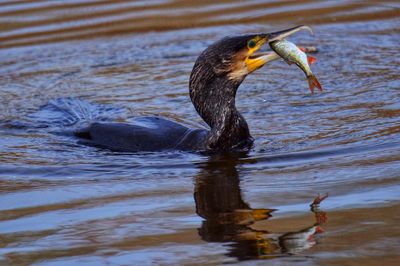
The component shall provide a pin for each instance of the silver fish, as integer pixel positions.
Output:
(293, 54)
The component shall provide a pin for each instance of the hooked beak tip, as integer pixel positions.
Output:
(279, 35)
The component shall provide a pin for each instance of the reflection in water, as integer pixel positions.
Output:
(229, 219)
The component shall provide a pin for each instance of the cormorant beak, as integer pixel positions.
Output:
(279, 35)
(256, 60)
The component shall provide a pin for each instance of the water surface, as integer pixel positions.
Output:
(64, 203)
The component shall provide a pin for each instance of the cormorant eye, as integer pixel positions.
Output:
(251, 44)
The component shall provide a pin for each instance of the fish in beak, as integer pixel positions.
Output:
(255, 60)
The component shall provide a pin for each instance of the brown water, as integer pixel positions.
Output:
(62, 203)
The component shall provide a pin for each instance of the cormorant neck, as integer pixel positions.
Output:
(215, 100)
(213, 96)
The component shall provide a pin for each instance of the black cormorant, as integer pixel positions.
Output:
(215, 78)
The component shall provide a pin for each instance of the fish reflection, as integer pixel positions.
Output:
(227, 218)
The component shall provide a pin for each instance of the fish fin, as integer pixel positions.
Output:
(311, 60)
(288, 62)
(312, 83)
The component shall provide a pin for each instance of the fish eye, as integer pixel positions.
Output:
(251, 44)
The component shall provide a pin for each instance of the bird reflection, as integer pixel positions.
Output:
(227, 218)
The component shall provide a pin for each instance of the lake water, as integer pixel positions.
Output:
(64, 203)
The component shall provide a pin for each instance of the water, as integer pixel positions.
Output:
(63, 203)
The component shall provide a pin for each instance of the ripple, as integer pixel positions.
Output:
(62, 202)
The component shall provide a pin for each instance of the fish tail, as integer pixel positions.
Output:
(313, 82)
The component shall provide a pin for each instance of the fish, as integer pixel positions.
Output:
(293, 54)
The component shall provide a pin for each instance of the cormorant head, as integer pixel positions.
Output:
(218, 73)
(238, 56)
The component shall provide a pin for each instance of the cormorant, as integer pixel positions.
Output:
(215, 78)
